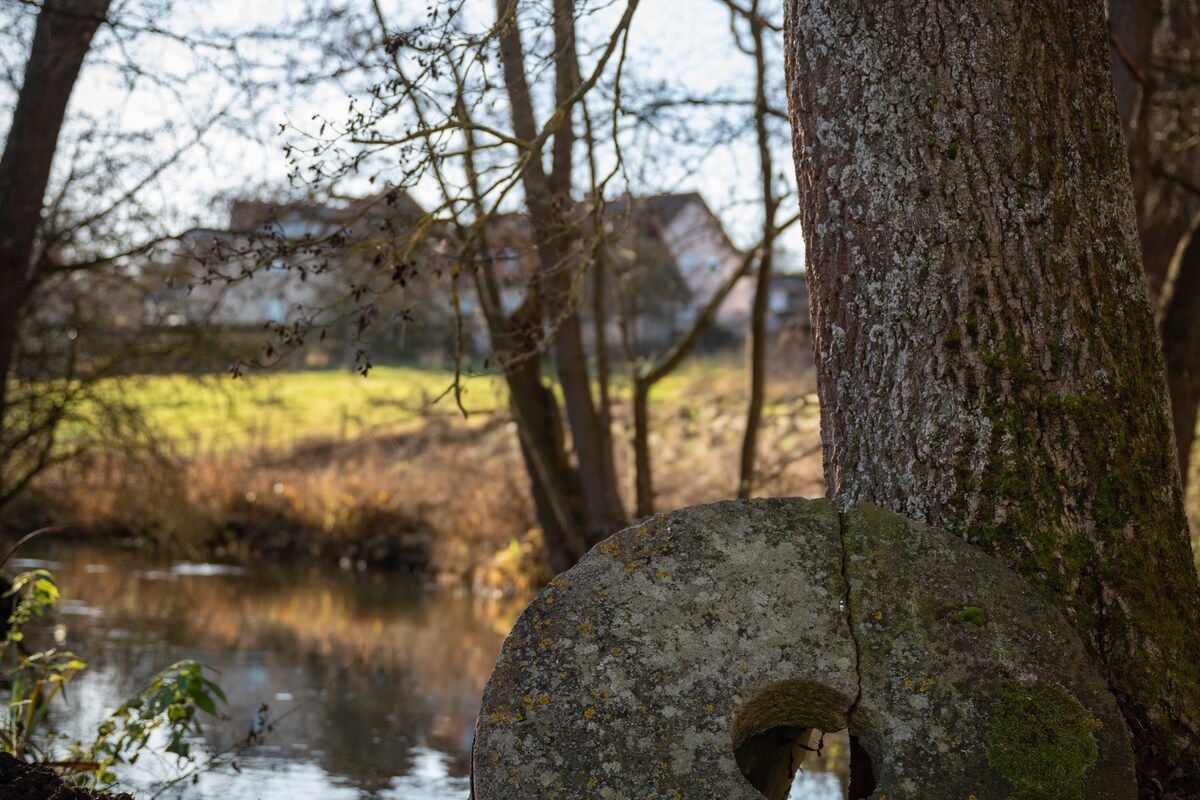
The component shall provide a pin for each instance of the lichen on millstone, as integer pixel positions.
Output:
(639, 672)
(945, 633)
(624, 677)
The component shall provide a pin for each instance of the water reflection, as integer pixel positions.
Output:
(372, 682)
(366, 677)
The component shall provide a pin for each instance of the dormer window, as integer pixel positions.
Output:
(510, 261)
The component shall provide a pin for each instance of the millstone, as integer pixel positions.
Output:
(647, 669)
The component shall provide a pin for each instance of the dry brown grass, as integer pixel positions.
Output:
(447, 495)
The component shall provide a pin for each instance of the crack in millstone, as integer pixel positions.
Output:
(850, 619)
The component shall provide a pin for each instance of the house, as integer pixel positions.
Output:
(787, 303)
(686, 238)
(664, 257)
(350, 272)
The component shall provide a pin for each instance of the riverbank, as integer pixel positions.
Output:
(382, 476)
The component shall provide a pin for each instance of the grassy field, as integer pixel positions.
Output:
(278, 410)
(220, 413)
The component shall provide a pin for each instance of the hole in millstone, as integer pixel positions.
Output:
(862, 773)
(781, 729)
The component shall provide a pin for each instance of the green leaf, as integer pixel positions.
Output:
(217, 690)
(205, 703)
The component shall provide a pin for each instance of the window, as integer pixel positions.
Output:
(780, 300)
(276, 310)
(510, 261)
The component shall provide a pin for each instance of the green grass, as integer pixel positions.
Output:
(218, 413)
(275, 410)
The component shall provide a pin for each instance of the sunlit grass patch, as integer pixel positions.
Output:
(280, 410)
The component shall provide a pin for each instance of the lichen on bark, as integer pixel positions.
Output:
(987, 359)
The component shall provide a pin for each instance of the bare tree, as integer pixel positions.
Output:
(84, 222)
(522, 166)
(759, 26)
(442, 88)
(60, 42)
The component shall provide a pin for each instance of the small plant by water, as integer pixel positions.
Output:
(163, 717)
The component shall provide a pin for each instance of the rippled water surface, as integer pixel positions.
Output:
(371, 681)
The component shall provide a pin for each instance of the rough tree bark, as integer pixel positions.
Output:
(987, 358)
(61, 39)
(1154, 57)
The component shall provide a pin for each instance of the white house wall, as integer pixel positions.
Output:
(705, 259)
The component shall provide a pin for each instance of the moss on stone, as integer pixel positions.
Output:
(1041, 741)
(972, 614)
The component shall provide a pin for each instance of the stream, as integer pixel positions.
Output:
(370, 681)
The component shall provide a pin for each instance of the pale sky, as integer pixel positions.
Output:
(683, 42)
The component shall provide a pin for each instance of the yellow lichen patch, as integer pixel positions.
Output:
(586, 627)
(592, 781)
(878, 616)
(710, 708)
(589, 713)
(660, 574)
(503, 716)
(543, 699)
(925, 684)
(544, 643)
(609, 547)
(616, 651)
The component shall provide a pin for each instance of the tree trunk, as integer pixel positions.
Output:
(554, 483)
(1180, 330)
(643, 477)
(60, 41)
(553, 480)
(757, 365)
(1132, 25)
(1154, 103)
(547, 200)
(986, 355)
